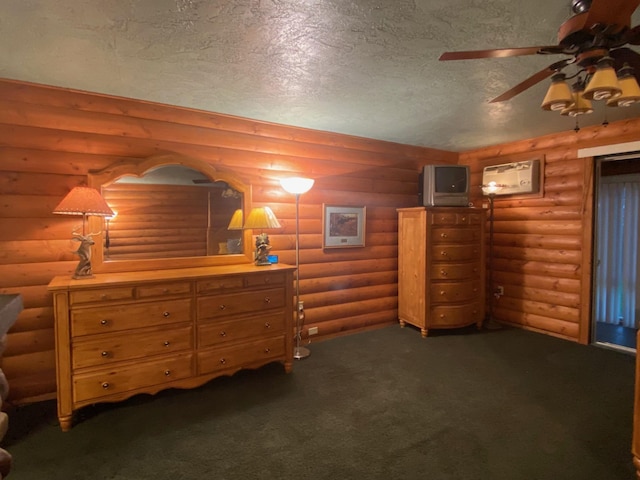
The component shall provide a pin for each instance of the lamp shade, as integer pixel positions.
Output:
(84, 201)
(581, 105)
(261, 217)
(604, 82)
(630, 89)
(236, 220)
(559, 94)
(297, 185)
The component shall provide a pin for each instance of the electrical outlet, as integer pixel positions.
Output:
(313, 331)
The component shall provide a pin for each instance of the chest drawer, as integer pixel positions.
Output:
(219, 333)
(219, 306)
(139, 375)
(454, 292)
(261, 351)
(454, 253)
(88, 321)
(109, 348)
(452, 315)
(455, 235)
(455, 271)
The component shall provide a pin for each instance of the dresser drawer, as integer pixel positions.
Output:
(455, 235)
(239, 356)
(265, 279)
(454, 253)
(455, 271)
(455, 315)
(88, 321)
(161, 289)
(107, 382)
(454, 292)
(218, 284)
(218, 333)
(238, 303)
(101, 295)
(109, 348)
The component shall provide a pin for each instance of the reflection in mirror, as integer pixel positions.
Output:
(170, 211)
(173, 211)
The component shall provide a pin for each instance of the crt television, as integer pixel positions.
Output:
(444, 186)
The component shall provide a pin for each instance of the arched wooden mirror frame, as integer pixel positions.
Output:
(118, 170)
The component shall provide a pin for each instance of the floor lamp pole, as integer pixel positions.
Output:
(299, 352)
(491, 323)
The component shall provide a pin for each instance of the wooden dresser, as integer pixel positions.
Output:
(441, 270)
(121, 334)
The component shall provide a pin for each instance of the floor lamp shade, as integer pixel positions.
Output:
(84, 201)
(298, 186)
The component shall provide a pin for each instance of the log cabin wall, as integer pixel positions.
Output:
(51, 138)
(543, 243)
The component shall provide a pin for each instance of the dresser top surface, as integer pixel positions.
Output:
(64, 282)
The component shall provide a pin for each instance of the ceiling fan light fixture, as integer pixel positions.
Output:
(604, 82)
(558, 95)
(630, 88)
(581, 106)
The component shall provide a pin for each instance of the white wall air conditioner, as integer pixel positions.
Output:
(517, 177)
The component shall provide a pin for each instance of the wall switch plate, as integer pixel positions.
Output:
(313, 330)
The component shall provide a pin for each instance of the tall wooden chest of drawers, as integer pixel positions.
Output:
(441, 269)
(121, 334)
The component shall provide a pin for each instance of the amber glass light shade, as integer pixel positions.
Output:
(630, 89)
(604, 82)
(558, 95)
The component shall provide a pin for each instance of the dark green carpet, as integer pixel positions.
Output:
(386, 404)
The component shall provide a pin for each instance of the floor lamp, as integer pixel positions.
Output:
(298, 186)
(490, 190)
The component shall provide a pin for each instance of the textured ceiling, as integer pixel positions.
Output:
(362, 67)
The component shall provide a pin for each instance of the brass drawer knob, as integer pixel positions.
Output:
(267, 300)
(104, 322)
(442, 315)
(223, 333)
(166, 314)
(443, 273)
(105, 385)
(222, 307)
(267, 325)
(442, 292)
(167, 343)
(167, 372)
(105, 354)
(443, 235)
(223, 361)
(267, 350)
(443, 253)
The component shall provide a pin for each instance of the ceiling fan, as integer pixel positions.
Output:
(598, 31)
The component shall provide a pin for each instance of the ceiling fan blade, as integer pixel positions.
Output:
(500, 52)
(532, 80)
(611, 12)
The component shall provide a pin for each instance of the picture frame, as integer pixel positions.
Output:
(343, 226)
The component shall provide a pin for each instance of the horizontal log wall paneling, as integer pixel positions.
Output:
(543, 243)
(51, 138)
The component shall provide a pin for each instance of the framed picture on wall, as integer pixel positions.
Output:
(343, 226)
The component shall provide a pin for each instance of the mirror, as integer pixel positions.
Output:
(172, 211)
